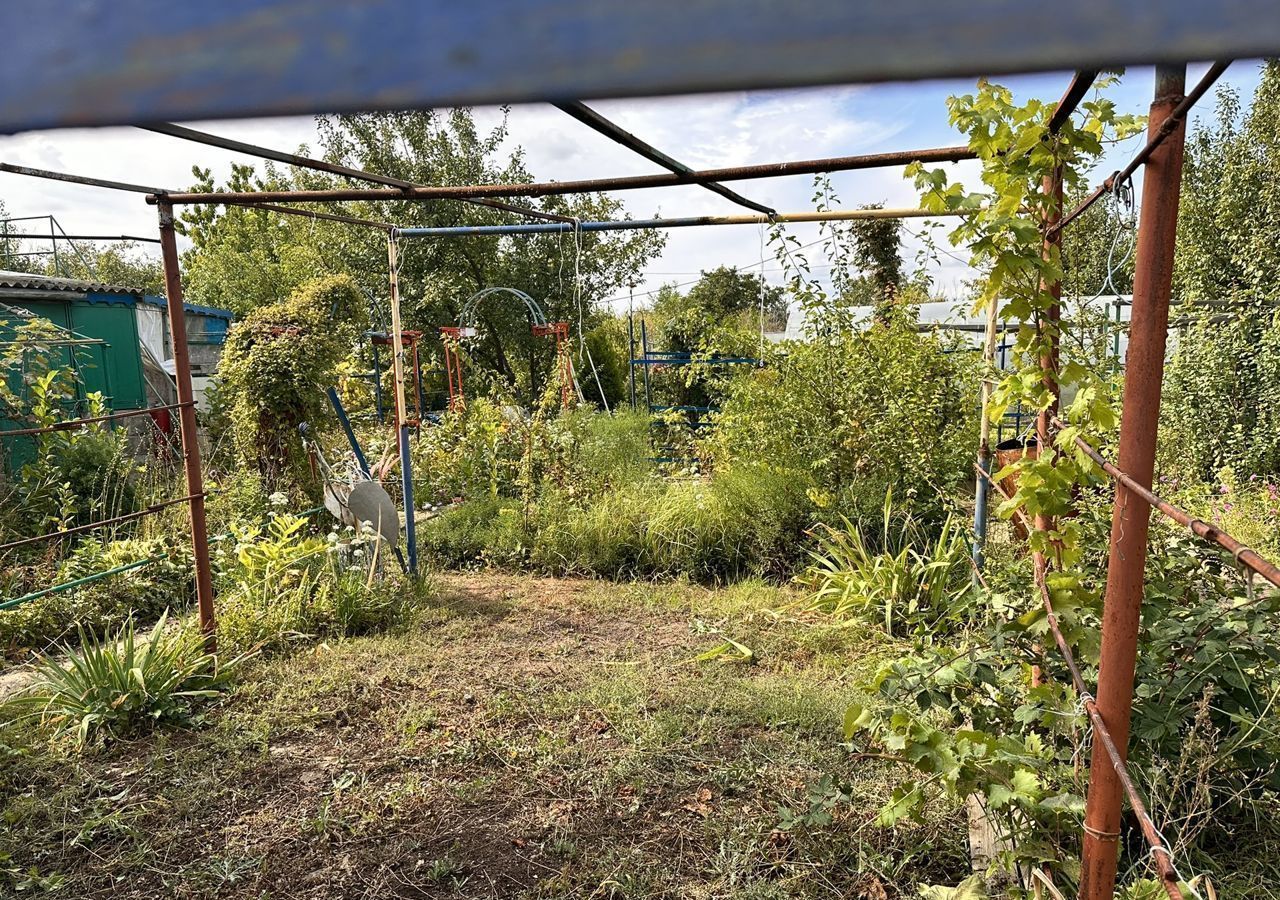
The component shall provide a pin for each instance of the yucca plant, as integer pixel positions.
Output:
(899, 583)
(121, 685)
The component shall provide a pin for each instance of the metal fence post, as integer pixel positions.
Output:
(187, 419)
(1131, 513)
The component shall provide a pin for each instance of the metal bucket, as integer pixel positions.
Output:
(1010, 451)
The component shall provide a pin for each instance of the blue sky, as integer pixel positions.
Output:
(702, 131)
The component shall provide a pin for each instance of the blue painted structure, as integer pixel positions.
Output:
(115, 62)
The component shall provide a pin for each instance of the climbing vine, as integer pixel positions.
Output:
(1005, 229)
(278, 361)
(967, 718)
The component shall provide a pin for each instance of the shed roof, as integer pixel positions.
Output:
(32, 282)
(27, 281)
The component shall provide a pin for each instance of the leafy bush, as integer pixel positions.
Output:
(912, 581)
(65, 477)
(121, 685)
(857, 413)
(475, 452)
(277, 363)
(280, 584)
(140, 593)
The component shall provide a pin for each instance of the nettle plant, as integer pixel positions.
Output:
(969, 720)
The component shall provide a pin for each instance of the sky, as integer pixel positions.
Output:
(703, 131)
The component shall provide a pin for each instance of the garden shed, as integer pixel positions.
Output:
(134, 368)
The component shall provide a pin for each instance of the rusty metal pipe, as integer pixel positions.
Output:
(306, 162)
(71, 424)
(187, 421)
(1049, 326)
(1155, 137)
(631, 182)
(80, 237)
(93, 526)
(593, 120)
(1246, 556)
(1157, 233)
(1075, 92)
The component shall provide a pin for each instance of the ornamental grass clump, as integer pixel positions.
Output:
(123, 684)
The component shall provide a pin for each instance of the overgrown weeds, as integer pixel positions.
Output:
(908, 580)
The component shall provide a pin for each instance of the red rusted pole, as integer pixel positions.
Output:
(1132, 513)
(1050, 323)
(187, 420)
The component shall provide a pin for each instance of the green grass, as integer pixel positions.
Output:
(529, 738)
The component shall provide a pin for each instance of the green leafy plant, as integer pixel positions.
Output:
(897, 583)
(140, 593)
(276, 365)
(121, 685)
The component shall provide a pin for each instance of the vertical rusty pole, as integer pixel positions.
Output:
(187, 419)
(1153, 277)
(1050, 326)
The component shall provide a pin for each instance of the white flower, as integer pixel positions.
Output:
(279, 498)
(358, 554)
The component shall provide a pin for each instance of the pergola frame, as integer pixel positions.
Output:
(626, 50)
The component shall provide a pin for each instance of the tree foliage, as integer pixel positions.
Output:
(1222, 386)
(719, 314)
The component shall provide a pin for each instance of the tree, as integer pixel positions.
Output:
(119, 263)
(243, 258)
(876, 246)
(1222, 403)
(721, 313)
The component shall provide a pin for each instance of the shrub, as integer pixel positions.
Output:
(857, 413)
(120, 685)
(140, 593)
(281, 585)
(474, 453)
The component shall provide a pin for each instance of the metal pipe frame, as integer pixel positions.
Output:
(72, 424)
(623, 183)
(161, 193)
(187, 422)
(840, 215)
(1131, 515)
(1155, 138)
(1245, 556)
(306, 162)
(593, 120)
(82, 237)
